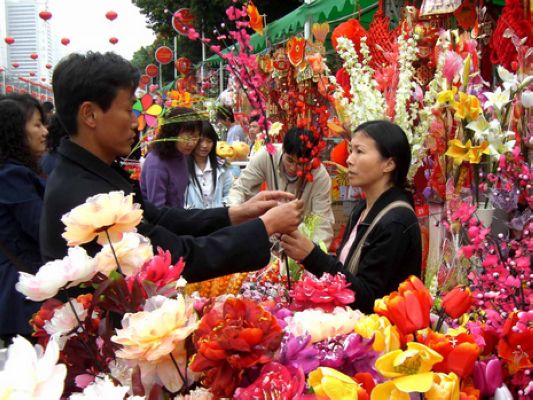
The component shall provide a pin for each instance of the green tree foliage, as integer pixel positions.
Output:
(209, 15)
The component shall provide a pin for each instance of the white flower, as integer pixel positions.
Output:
(527, 99)
(499, 142)
(322, 325)
(104, 388)
(509, 79)
(74, 269)
(275, 129)
(503, 393)
(64, 321)
(497, 99)
(132, 252)
(30, 374)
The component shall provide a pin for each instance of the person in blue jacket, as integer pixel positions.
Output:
(209, 181)
(22, 143)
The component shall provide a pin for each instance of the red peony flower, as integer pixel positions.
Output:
(328, 292)
(45, 313)
(285, 381)
(232, 336)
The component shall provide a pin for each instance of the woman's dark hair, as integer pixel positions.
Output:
(15, 111)
(294, 145)
(225, 113)
(55, 132)
(92, 77)
(175, 121)
(391, 142)
(208, 132)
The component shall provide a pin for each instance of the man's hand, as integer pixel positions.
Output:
(258, 205)
(284, 218)
(296, 245)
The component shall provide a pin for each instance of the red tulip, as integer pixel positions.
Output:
(45, 15)
(9, 40)
(457, 301)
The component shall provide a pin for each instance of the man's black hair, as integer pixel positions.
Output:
(294, 145)
(94, 77)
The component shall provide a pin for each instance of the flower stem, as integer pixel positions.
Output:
(113, 250)
(74, 312)
(184, 379)
(440, 321)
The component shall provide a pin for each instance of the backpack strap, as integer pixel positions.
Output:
(353, 265)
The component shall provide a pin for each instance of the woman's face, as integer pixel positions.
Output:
(204, 147)
(366, 166)
(187, 141)
(36, 133)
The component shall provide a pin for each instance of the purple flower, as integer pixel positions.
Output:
(297, 352)
(488, 376)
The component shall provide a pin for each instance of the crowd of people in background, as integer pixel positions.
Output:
(193, 205)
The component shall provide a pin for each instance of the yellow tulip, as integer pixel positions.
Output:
(332, 384)
(410, 371)
(386, 336)
(466, 152)
(445, 387)
(447, 97)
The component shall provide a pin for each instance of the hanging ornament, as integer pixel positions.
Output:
(111, 15)
(15, 65)
(296, 50)
(34, 56)
(48, 66)
(182, 20)
(9, 40)
(45, 15)
(113, 40)
(164, 55)
(32, 73)
(183, 65)
(151, 70)
(65, 41)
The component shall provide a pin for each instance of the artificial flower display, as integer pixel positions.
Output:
(331, 384)
(131, 251)
(111, 214)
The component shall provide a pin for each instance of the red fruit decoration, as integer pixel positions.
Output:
(34, 56)
(113, 40)
(15, 65)
(32, 74)
(45, 15)
(182, 20)
(65, 41)
(9, 40)
(111, 15)
(48, 66)
(43, 79)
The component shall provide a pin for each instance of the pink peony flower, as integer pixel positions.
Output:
(326, 293)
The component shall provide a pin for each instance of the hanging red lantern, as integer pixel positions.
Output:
(151, 70)
(113, 40)
(9, 40)
(45, 15)
(34, 56)
(65, 41)
(164, 55)
(182, 20)
(183, 65)
(144, 80)
(48, 66)
(111, 15)
(15, 65)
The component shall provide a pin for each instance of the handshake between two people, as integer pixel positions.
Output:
(280, 211)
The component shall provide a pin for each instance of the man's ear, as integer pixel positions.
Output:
(390, 165)
(87, 114)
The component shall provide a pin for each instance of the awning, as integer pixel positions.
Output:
(333, 11)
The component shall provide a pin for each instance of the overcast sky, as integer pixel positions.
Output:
(85, 24)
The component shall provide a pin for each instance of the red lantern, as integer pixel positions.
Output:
(34, 56)
(113, 40)
(144, 80)
(45, 15)
(9, 40)
(32, 74)
(15, 65)
(65, 41)
(48, 66)
(151, 70)
(164, 55)
(183, 65)
(182, 20)
(111, 15)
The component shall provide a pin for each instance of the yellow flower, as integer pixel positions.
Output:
(111, 211)
(447, 97)
(332, 384)
(468, 107)
(410, 371)
(152, 334)
(386, 336)
(466, 152)
(445, 387)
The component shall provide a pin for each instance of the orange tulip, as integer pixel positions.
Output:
(408, 311)
(457, 301)
(256, 20)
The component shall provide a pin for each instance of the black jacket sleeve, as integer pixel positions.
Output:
(385, 246)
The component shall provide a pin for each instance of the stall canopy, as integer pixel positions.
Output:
(332, 11)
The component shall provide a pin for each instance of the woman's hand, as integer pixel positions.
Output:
(296, 245)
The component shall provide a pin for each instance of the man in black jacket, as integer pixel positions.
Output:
(94, 95)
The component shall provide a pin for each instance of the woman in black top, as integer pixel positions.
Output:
(382, 244)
